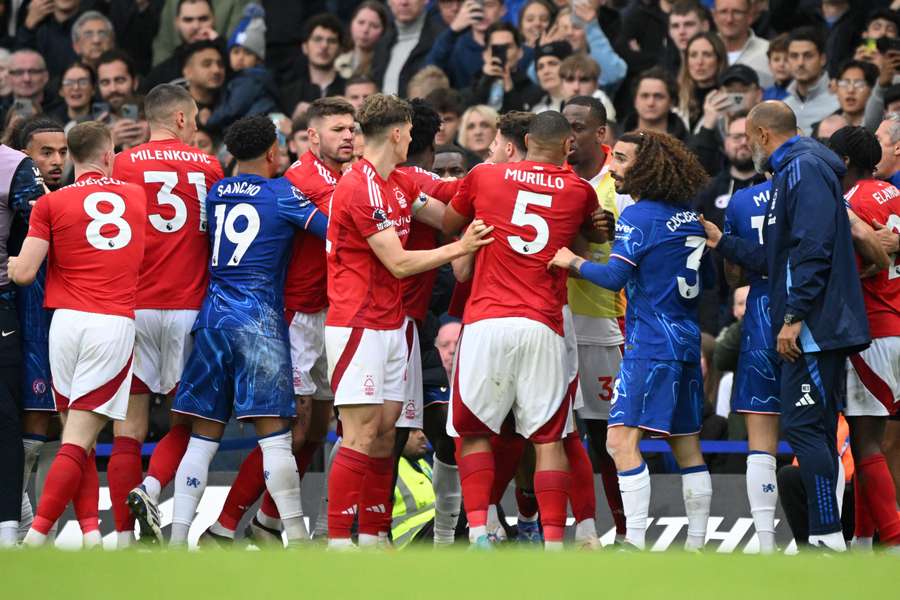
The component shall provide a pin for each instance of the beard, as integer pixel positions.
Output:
(760, 158)
(744, 163)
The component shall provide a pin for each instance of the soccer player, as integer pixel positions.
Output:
(93, 231)
(657, 258)
(365, 329)
(21, 185)
(315, 174)
(44, 141)
(240, 363)
(175, 177)
(873, 382)
(596, 311)
(512, 354)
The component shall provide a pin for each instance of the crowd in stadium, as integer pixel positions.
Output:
(294, 209)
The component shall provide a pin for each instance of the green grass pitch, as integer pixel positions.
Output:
(422, 573)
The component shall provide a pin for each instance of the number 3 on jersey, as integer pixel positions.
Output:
(693, 263)
(169, 179)
(524, 219)
(241, 239)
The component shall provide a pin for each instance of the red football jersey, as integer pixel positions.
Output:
(417, 289)
(304, 289)
(96, 232)
(175, 178)
(875, 200)
(361, 291)
(536, 209)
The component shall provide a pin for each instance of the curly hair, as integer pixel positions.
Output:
(425, 125)
(668, 172)
(250, 137)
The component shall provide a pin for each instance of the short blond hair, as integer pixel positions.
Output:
(425, 81)
(88, 140)
(479, 109)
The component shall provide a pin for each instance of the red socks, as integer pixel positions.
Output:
(167, 455)
(245, 489)
(87, 499)
(476, 473)
(63, 482)
(879, 497)
(552, 490)
(376, 497)
(508, 450)
(344, 483)
(124, 473)
(581, 490)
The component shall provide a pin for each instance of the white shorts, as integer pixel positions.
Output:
(309, 363)
(366, 366)
(873, 379)
(162, 344)
(413, 412)
(91, 361)
(598, 367)
(572, 355)
(510, 364)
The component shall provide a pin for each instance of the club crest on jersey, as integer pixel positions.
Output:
(39, 387)
(299, 196)
(401, 199)
(369, 386)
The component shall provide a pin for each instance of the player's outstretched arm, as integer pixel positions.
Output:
(403, 263)
(600, 228)
(463, 267)
(611, 276)
(22, 269)
(453, 222)
(431, 213)
(867, 243)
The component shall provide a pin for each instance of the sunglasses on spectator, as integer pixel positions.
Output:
(21, 72)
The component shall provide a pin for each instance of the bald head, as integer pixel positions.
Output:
(549, 137)
(774, 115)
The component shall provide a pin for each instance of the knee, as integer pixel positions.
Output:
(132, 428)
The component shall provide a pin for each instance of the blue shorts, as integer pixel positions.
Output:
(435, 394)
(232, 370)
(757, 385)
(36, 394)
(662, 396)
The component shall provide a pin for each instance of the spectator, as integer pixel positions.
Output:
(222, 17)
(48, 29)
(357, 89)
(458, 49)
(580, 75)
(204, 141)
(28, 81)
(194, 23)
(251, 91)
(824, 129)
(136, 23)
(298, 143)
(204, 72)
(368, 24)
(810, 96)
(478, 127)
(733, 19)
(644, 37)
(654, 100)
(92, 35)
(448, 104)
(427, 80)
(855, 80)
(403, 50)
(882, 23)
(535, 17)
(779, 67)
(117, 83)
(448, 10)
(705, 61)
(322, 41)
(687, 19)
(77, 88)
(888, 134)
(581, 30)
(501, 84)
(547, 59)
(892, 100)
(5, 89)
(889, 69)
(449, 162)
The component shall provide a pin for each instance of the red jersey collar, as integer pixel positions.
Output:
(316, 160)
(90, 174)
(369, 170)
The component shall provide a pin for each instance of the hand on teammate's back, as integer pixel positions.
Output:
(564, 259)
(474, 237)
(713, 234)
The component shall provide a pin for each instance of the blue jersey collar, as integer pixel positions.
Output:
(895, 179)
(777, 158)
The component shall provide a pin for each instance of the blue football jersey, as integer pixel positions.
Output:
(252, 222)
(745, 218)
(665, 244)
(33, 317)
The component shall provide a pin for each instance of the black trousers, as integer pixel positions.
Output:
(12, 454)
(792, 494)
